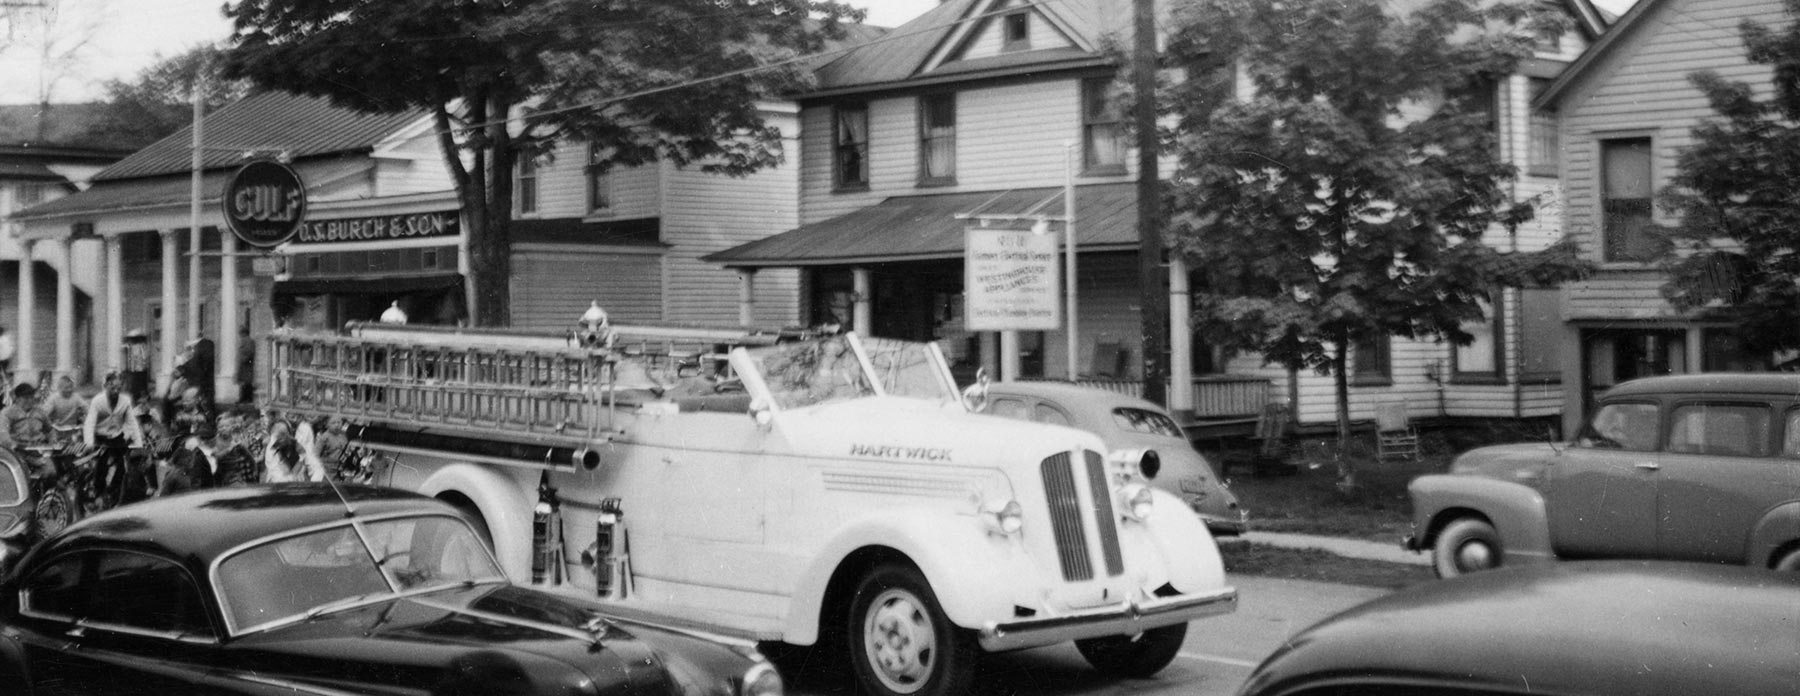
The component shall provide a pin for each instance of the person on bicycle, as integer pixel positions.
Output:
(112, 426)
(23, 424)
(66, 410)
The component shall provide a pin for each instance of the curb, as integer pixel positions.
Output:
(1342, 546)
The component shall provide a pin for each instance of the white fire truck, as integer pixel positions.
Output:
(810, 489)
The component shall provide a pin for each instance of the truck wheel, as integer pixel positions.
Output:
(901, 644)
(1787, 561)
(1466, 545)
(1134, 657)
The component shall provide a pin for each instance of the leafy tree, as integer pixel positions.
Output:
(641, 80)
(1736, 253)
(1349, 197)
(159, 100)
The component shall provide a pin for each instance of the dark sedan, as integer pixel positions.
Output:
(1642, 628)
(292, 589)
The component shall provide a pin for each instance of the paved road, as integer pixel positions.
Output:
(1218, 655)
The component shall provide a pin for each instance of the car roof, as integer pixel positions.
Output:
(1068, 394)
(198, 526)
(1768, 383)
(1638, 627)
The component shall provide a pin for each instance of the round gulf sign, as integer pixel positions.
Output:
(265, 203)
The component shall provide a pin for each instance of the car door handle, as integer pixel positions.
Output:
(1648, 466)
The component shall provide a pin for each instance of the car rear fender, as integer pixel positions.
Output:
(501, 502)
(974, 573)
(1778, 529)
(1517, 512)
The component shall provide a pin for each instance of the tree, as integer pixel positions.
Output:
(159, 100)
(1336, 205)
(59, 37)
(640, 80)
(1735, 255)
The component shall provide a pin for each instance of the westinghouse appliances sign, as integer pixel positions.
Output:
(1012, 279)
(375, 228)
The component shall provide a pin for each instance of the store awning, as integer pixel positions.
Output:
(368, 285)
(917, 228)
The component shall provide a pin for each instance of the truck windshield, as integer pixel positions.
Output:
(804, 373)
(909, 368)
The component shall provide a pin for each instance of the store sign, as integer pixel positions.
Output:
(376, 228)
(1011, 279)
(265, 203)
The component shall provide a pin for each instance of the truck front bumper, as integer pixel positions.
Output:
(1125, 618)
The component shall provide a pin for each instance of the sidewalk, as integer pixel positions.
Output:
(1351, 548)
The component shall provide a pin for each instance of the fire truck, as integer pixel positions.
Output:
(814, 489)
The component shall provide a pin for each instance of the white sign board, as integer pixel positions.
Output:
(1011, 279)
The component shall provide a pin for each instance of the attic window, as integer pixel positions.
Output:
(1017, 28)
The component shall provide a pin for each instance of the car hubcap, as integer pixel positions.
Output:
(1475, 555)
(900, 642)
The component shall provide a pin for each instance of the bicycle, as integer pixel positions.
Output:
(60, 488)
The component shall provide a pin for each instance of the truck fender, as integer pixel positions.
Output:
(1190, 556)
(1779, 527)
(502, 503)
(1516, 510)
(972, 572)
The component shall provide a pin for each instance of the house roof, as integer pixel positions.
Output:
(1607, 43)
(300, 125)
(917, 228)
(157, 192)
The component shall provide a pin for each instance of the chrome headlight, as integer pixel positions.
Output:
(1005, 520)
(761, 680)
(1136, 501)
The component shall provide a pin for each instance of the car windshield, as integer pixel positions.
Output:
(346, 565)
(910, 369)
(1137, 420)
(804, 373)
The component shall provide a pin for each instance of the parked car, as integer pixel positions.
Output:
(1694, 467)
(15, 507)
(289, 589)
(1126, 422)
(1596, 628)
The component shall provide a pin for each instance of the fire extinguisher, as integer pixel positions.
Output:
(546, 535)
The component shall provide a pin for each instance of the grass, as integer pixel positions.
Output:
(1245, 558)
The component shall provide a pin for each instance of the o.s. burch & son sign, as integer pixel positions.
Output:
(381, 228)
(1010, 280)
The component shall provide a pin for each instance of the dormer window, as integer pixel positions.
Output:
(1017, 28)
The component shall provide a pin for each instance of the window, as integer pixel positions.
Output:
(937, 139)
(1045, 413)
(528, 185)
(1102, 128)
(850, 142)
(1544, 146)
(1540, 334)
(55, 592)
(1719, 429)
(1018, 31)
(1790, 446)
(1481, 361)
(132, 590)
(1010, 408)
(1371, 362)
(599, 182)
(1626, 198)
(1623, 426)
(1137, 420)
(32, 194)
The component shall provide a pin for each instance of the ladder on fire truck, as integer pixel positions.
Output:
(535, 397)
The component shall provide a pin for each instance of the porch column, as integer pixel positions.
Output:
(171, 303)
(114, 258)
(196, 269)
(1695, 339)
(24, 353)
(1009, 356)
(225, 386)
(65, 310)
(746, 296)
(863, 324)
(1181, 340)
(990, 352)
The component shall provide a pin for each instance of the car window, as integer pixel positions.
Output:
(1731, 430)
(1145, 421)
(1790, 445)
(54, 591)
(1010, 408)
(138, 591)
(423, 551)
(1045, 413)
(1624, 426)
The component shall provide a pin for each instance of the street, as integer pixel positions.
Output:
(1218, 655)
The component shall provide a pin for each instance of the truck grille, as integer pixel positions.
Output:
(1066, 518)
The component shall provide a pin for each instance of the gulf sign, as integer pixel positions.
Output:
(264, 203)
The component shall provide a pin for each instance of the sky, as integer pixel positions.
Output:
(132, 34)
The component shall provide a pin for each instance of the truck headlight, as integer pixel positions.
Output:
(1136, 501)
(761, 680)
(1143, 462)
(1004, 520)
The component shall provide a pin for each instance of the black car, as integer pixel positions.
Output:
(1644, 628)
(297, 589)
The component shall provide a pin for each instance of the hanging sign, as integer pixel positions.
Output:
(264, 203)
(1011, 280)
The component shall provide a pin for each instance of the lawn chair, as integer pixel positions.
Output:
(1271, 455)
(1395, 437)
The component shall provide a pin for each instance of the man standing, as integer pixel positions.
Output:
(110, 425)
(23, 424)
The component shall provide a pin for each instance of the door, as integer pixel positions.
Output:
(117, 622)
(1601, 494)
(1719, 475)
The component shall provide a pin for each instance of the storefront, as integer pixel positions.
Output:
(352, 261)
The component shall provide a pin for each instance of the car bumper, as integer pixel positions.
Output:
(1227, 526)
(1126, 618)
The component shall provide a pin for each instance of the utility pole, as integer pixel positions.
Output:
(1153, 295)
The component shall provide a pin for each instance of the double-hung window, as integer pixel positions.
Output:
(528, 185)
(850, 143)
(1102, 129)
(1628, 233)
(1481, 361)
(937, 139)
(599, 182)
(1371, 361)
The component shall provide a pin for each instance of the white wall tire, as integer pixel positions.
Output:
(1787, 561)
(901, 644)
(1466, 545)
